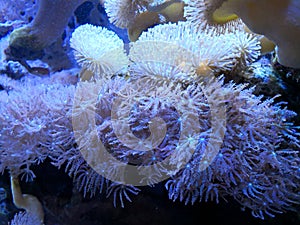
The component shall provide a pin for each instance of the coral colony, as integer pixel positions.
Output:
(164, 111)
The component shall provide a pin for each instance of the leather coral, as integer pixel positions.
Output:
(281, 25)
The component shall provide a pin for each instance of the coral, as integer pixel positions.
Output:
(120, 191)
(31, 128)
(165, 113)
(24, 218)
(200, 13)
(281, 27)
(257, 138)
(141, 23)
(267, 46)
(169, 46)
(167, 12)
(107, 58)
(248, 47)
(123, 12)
(42, 31)
(17, 12)
(138, 16)
(25, 201)
(247, 149)
(213, 139)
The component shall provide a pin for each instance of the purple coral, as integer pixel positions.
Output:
(24, 218)
(251, 157)
(257, 164)
(33, 120)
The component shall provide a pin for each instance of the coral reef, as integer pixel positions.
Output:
(55, 56)
(174, 108)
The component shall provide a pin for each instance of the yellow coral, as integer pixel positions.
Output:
(137, 16)
(25, 201)
(281, 26)
(141, 23)
(223, 14)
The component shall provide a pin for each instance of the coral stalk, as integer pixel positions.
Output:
(49, 23)
(30, 203)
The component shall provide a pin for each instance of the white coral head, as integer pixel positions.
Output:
(98, 50)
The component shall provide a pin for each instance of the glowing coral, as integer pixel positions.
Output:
(171, 76)
(257, 154)
(24, 126)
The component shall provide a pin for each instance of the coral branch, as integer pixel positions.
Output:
(30, 203)
(49, 23)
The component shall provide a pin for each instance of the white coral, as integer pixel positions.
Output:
(98, 49)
